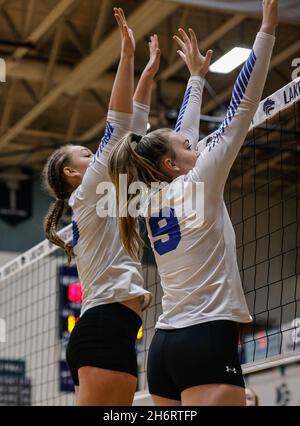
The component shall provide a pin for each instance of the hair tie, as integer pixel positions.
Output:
(136, 138)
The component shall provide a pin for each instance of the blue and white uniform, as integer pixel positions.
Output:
(190, 108)
(198, 266)
(105, 335)
(107, 273)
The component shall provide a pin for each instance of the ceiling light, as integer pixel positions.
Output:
(230, 60)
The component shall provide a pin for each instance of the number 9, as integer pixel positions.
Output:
(165, 226)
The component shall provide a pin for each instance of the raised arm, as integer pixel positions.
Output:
(119, 117)
(189, 115)
(215, 161)
(143, 92)
(122, 91)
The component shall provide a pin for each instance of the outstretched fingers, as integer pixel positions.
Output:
(193, 36)
(179, 42)
(185, 37)
(182, 55)
(127, 36)
(154, 44)
(208, 57)
(119, 21)
(154, 55)
(154, 47)
(189, 52)
(122, 14)
(184, 42)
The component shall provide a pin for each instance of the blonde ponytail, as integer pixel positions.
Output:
(139, 158)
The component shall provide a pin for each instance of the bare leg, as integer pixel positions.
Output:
(76, 394)
(105, 387)
(159, 401)
(214, 395)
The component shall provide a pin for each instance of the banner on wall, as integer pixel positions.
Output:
(278, 386)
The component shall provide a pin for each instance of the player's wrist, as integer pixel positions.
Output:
(126, 55)
(268, 29)
(198, 73)
(148, 74)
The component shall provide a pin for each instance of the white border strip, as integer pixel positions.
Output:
(274, 361)
(35, 253)
(279, 101)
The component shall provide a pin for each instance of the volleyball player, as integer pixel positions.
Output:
(193, 358)
(101, 350)
(251, 398)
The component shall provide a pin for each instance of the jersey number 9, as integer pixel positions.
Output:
(166, 230)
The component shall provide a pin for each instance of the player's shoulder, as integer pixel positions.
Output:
(77, 198)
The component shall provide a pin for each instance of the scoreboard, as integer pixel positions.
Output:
(70, 299)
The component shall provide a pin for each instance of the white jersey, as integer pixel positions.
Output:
(106, 272)
(198, 265)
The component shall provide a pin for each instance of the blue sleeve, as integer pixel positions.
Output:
(215, 161)
(118, 125)
(188, 120)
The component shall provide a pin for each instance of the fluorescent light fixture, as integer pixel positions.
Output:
(148, 126)
(230, 60)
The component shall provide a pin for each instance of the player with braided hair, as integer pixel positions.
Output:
(101, 350)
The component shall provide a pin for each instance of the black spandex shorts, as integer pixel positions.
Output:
(205, 353)
(104, 337)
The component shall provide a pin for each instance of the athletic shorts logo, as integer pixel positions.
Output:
(269, 106)
(230, 369)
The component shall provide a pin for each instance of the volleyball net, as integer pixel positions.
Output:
(40, 296)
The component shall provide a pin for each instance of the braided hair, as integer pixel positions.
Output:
(56, 185)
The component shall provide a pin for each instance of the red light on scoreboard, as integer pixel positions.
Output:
(75, 292)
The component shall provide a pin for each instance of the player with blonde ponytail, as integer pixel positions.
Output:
(193, 357)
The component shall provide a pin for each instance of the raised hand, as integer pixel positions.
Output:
(154, 56)
(270, 16)
(190, 53)
(127, 37)
(144, 87)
